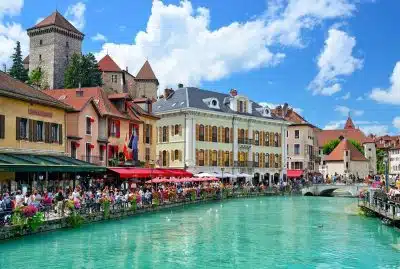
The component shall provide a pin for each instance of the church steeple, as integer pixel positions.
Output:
(349, 124)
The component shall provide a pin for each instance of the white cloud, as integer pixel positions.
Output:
(76, 15)
(360, 98)
(11, 32)
(182, 48)
(346, 96)
(345, 111)
(99, 37)
(392, 94)
(332, 125)
(10, 7)
(335, 61)
(396, 122)
(375, 129)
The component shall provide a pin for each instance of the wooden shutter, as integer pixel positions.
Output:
(180, 129)
(238, 106)
(271, 139)
(30, 130)
(219, 134)
(231, 158)
(231, 136)
(206, 133)
(246, 135)
(279, 140)
(2, 126)
(254, 157)
(197, 157)
(34, 130)
(180, 155)
(219, 160)
(47, 132)
(167, 134)
(159, 134)
(261, 138)
(151, 134)
(210, 133)
(109, 127)
(197, 132)
(118, 123)
(167, 157)
(60, 129)
(206, 158)
(172, 130)
(17, 128)
(245, 107)
(172, 155)
(210, 157)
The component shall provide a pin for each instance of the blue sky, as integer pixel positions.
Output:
(325, 58)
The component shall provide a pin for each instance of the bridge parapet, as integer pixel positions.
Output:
(328, 189)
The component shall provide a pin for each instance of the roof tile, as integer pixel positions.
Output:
(338, 153)
(58, 20)
(107, 64)
(146, 72)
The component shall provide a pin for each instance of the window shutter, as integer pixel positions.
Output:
(206, 133)
(254, 157)
(180, 155)
(279, 140)
(60, 129)
(180, 129)
(220, 153)
(206, 157)
(2, 126)
(30, 130)
(272, 160)
(118, 123)
(197, 157)
(231, 136)
(34, 130)
(160, 157)
(209, 133)
(130, 130)
(261, 138)
(210, 152)
(197, 132)
(271, 139)
(172, 130)
(159, 134)
(18, 125)
(110, 151)
(47, 132)
(151, 133)
(246, 134)
(109, 127)
(245, 106)
(172, 155)
(238, 105)
(167, 129)
(231, 158)
(144, 132)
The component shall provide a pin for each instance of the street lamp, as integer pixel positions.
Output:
(386, 161)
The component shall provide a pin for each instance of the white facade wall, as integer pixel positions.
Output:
(394, 161)
(360, 168)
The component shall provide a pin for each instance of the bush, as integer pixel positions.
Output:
(75, 220)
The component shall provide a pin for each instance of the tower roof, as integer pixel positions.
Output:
(107, 64)
(349, 124)
(146, 73)
(58, 20)
(338, 153)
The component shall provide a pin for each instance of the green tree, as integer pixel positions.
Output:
(17, 69)
(37, 79)
(82, 69)
(380, 154)
(331, 145)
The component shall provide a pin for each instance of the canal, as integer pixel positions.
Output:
(264, 232)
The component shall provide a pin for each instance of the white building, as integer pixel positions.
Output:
(394, 161)
(206, 131)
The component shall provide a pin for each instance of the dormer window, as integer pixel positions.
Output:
(264, 111)
(212, 103)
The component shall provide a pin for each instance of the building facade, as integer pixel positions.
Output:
(394, 161)
(53, 41)
(206, 131)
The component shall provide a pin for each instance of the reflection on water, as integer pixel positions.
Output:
(268, 232)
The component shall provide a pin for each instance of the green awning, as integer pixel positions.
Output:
(14, 162)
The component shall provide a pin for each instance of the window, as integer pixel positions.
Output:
(88, 152)
(256, 158)
(276, 160)
(164, 158)
(214, 158)
(41, 42)
(201, 132)
(267, 139)
(148, 130)
(241, 136)
(176, 155)
(101, 153)
(2, 126)
(67, 58)
(276, 140)
(54, 134)
(296, 149)
(23, 129)
(67, 44)
(347, 165)
(40, 57)
(176, 129)
(88, 125)
(201, 157)
(73, 149)
(347, 153)
(226, 158)
(114, 78)
(241, 106)
(296, 133)
(39, 131)
(164, 134)
(227, 131)
(266, 160)
(114, 128)
(147, 157)
(214, 134)
(257, 138)
(214, 102)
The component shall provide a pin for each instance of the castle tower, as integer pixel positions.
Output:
(146, 82)
(53, 41)
(370, 154)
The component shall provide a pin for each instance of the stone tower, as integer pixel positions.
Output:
(370, 154)
(53, 41)
(146, 82)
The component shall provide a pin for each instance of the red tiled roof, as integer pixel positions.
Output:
(58, 20)
(368, 140)
(349, 124)
(119, 96)
(324, 136)
(96, 94)
(146, 72)
(16, 89)
(338, 153)
(107, 64)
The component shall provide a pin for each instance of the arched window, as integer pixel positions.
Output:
(176, 155)
(241, 136)
(226, 159)
(227, 131)
(267, 139)
(164, 133)
(214, 158)
(214, 134)
(201, 157)
(257, 138)
(276, 140)
(176, 129)
(164, 158)
(266, 160)
(201, 132)
(276, 160)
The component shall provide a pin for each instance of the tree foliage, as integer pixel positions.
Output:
(17, 69)
(331, 145)
(380, 164)
(37, 79)
(82, 69)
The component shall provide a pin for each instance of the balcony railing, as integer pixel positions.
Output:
(245, 141)
(97, 160)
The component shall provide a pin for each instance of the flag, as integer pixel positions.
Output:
(125, 150)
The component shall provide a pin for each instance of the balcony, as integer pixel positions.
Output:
(97, 160)
(245, 141)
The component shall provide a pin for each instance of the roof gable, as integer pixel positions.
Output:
(349, 124)
(146, 72)
(107, 64)
(58, 20)
(338, 153)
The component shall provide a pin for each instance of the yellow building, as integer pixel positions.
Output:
(32, 135)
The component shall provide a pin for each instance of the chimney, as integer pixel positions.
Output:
(180, 85)
(233, 92)
(79, 91)
(167, 92)
(126, 68)
(285, 109)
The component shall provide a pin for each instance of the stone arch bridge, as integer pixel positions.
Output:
(328, 189)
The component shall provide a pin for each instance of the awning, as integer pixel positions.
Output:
(126, 172)
(16, 162)
(294, 173)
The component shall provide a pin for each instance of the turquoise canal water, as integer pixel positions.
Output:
(267, 232)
